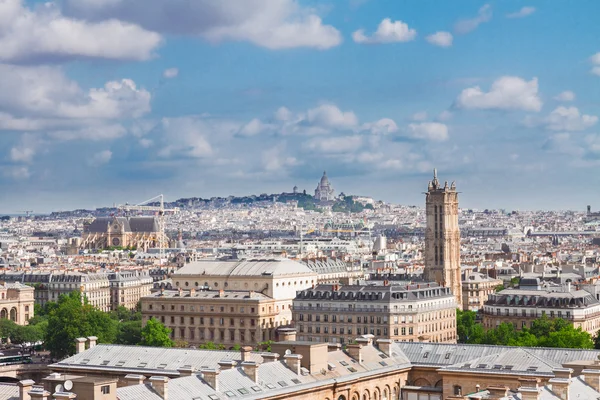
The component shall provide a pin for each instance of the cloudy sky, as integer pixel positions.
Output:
(108, 101)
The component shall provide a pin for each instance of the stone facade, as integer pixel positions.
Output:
(16, 302)
(413, 313)
(128, 287)
(476, 288)
(324, 190)
(442, 237)
(139, 232)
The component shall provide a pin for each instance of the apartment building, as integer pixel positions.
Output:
(410, 313)
(476, 288)
(94, 286)
(522, 306)
(128, 287)
(229, 301)
(16, 302)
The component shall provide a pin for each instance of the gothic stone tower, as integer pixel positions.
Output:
(442, 237)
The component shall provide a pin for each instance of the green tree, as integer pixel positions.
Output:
(499, 288)
(130, 332)
(74, 317)
(211, 346)
(468, 330)
(156, 334)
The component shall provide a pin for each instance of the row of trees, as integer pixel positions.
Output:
(544, 332)
(59, 323)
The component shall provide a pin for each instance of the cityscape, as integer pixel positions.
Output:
(290, 199)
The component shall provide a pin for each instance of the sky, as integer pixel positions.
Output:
(113, 101)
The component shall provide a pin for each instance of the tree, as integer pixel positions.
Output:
(468, 330)
(499, 288)
(211, 346)
(74, 317)
(130, 332)
(156, 334)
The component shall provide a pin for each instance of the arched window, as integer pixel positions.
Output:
(457, 390)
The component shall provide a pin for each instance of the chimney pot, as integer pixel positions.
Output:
(133, 380)
(245, 352)
(161, 385)
(355, 351)
(92, 340)
(227, 364)
(39, 394)
(270, 357)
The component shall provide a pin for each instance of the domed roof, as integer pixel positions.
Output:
(324, 180)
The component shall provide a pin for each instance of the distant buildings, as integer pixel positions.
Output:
(324, 190)
(520, 307)
(413, 313)
(476, 287)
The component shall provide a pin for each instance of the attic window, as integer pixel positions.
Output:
(243, 391)
(271, 386)
(282, 383)
(425, 354)
(105, 362)
(532, 369)
(447, 356)
(213, 397)
(84, 361)
(296, 381)
(229, 393)
(482, 366)
(344, 363)
(508, 367)
(383, 363)
(351, 369)
(383, 356)
(497, 366)
(142, 365)
(120, 363)
(256, 389)
(162, 366)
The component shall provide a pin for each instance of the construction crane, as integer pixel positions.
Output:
(27, 212)
(161, 210)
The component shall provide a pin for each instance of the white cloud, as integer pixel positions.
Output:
(276, 161)
(170, 73)
(30, 34)
(283, 114)
(420, 116)
(569, 119)
(335, 145)
(387, 32)
(434, 131)
(595, 64)
(45, 92)
(567, 95)
(254, 127)
(274, 24)
(330, 116)
(442, 39)
(523, 12)
(506, 93)
(95, 133)
(467, 25)
(17, 172)
(383, 126)
(444, 116)
(100, 158)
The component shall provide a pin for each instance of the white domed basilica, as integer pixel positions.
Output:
(324, 190)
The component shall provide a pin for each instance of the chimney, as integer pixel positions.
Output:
(293, 362)
(385, 345)
(560, 387)
(80, 345)
(24, 388)
(251, 369)
(365, 340)
(529, 393)
(227, 364)
(287, 334)
(92, 341)
(354, 351)
(39, 393)
(192, 292)
(246, 353)
(133, 380)
(211, 375)
(186, 371)
(64, 395)
(592, 378)
(270, 357)
(333, 347)
(221, 293)
(161, 385)
(497, 392)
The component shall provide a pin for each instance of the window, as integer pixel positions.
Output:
(457, 390)
(105, 389)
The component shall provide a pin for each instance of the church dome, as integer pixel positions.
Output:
(324, 180)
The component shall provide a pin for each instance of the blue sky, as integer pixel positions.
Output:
(105, 101)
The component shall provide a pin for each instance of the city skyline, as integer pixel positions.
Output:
(218, 100)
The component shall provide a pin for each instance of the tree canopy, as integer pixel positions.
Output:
(544, 332)
(74, 317)
(156, 334)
